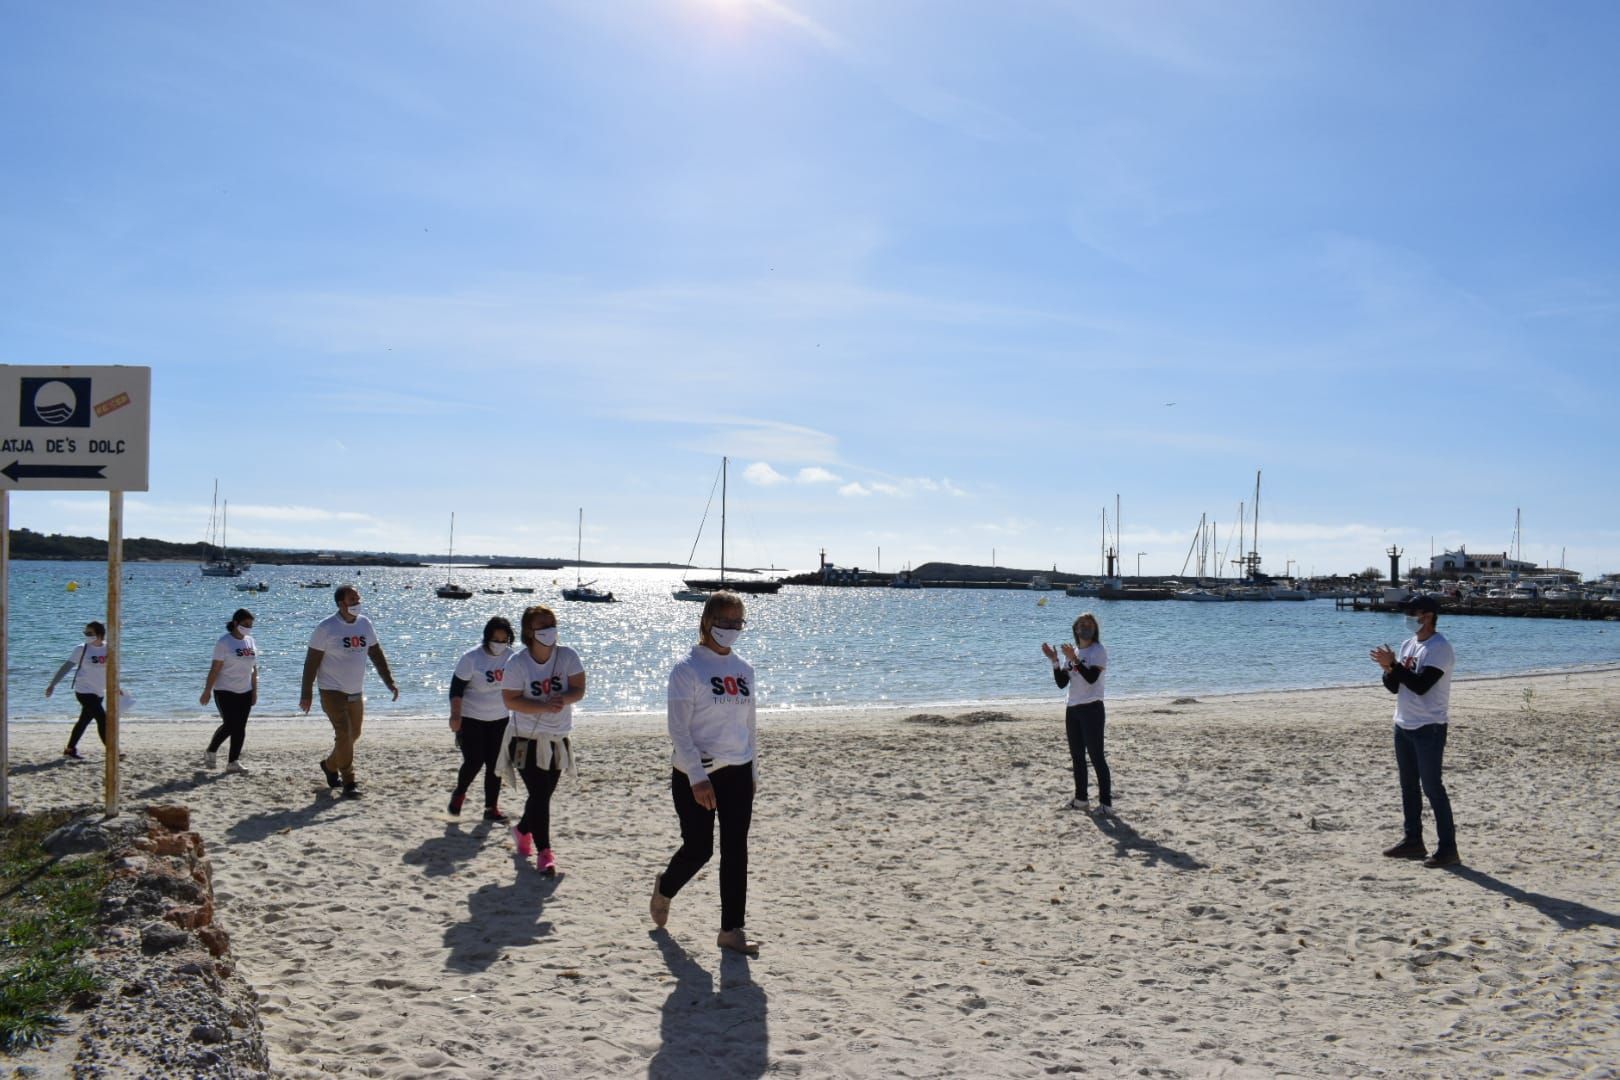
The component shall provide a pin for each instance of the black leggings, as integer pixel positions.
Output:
(734, 802)
(90, 708)
(233, 712)
(536, 820)
(480, 742)
(1084, 724)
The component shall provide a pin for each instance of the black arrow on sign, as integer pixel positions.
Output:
(20, 472)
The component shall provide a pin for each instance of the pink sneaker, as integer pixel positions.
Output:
(525, 843)
(548, 863)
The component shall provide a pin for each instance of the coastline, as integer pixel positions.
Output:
(847, 714)
(927, 906)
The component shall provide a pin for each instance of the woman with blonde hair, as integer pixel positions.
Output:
(540, 685)
(712, 726)
(1080, 669)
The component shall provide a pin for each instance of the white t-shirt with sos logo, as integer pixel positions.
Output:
(345, 644)
(711, 713)
(90, 674)
(484, 674)
(539, 681)
(238, 657)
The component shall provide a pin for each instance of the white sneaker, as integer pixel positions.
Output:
(1107, 811)
(1079, 804)
(236, 767)
(210, 759)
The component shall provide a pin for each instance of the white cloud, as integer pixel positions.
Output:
(761, 473)
(815, 474)
(854, 489)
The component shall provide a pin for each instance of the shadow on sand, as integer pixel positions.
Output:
(500, 917)
(1127, 840)
(441, 856)
(713, 1034)
(256, 827)
(1570, 914)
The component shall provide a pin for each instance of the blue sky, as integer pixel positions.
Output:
(932, 274)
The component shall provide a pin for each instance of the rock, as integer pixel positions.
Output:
(174, 818)
(134, 989)
(216, 939)
(190, 916)
(210, 1034)
(77, 837)
(159, 937)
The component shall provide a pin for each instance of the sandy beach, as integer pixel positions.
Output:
(927, 906)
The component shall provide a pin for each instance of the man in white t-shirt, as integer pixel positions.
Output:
(338, 650)
(1419, 676)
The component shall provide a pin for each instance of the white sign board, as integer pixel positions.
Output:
(74, 428)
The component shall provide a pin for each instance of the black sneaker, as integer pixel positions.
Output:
(455, 803)
(1442, 858)
(351, 791)
(73, 752)
(493, 813)
(1407, 849)
(332, 779)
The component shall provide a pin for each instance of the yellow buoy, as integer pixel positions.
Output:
(73, 586)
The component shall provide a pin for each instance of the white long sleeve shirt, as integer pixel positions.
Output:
(711, 713)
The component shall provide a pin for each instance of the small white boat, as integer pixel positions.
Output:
(697, 595)
(584, 593)
(255, 587)
(1201, 596)
(1040, 583)
(450, 590)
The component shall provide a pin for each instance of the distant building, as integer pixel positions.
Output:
(1461, 563)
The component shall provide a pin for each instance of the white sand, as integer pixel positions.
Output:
(926, 906)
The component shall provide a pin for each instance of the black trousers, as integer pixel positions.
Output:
(480, 742)
(233, 714)
(1084, 724)
(536, 820)
(90, 708)
(734, 802)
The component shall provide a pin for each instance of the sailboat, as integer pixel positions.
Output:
(450, 590)
(222, 565)
(583, 592)
(698, 589)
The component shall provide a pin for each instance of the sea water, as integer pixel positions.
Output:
(811, 647)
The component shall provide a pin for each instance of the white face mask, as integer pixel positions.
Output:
(1413, 623)
(245, 631)
(353, 610)
(546, 635)
(724, 637)
(496, 647)
(88, 636)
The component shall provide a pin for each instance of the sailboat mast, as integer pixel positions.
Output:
(723, 463)
(579, 545)
(224, 531)
(1256, 571)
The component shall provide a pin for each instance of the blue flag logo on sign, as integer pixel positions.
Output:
(55, 403)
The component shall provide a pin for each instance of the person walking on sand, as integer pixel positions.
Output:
(478, 716)
(1419, 676)
(540, 687)
(1080, 669)
(337, 655)
(712, 726)
(233, 684)
(88, 663)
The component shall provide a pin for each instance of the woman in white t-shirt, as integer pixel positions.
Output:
(712, 726)
(540, 686)
(478, 716)
(1081, 670)
(89, 666)
(233, 684)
